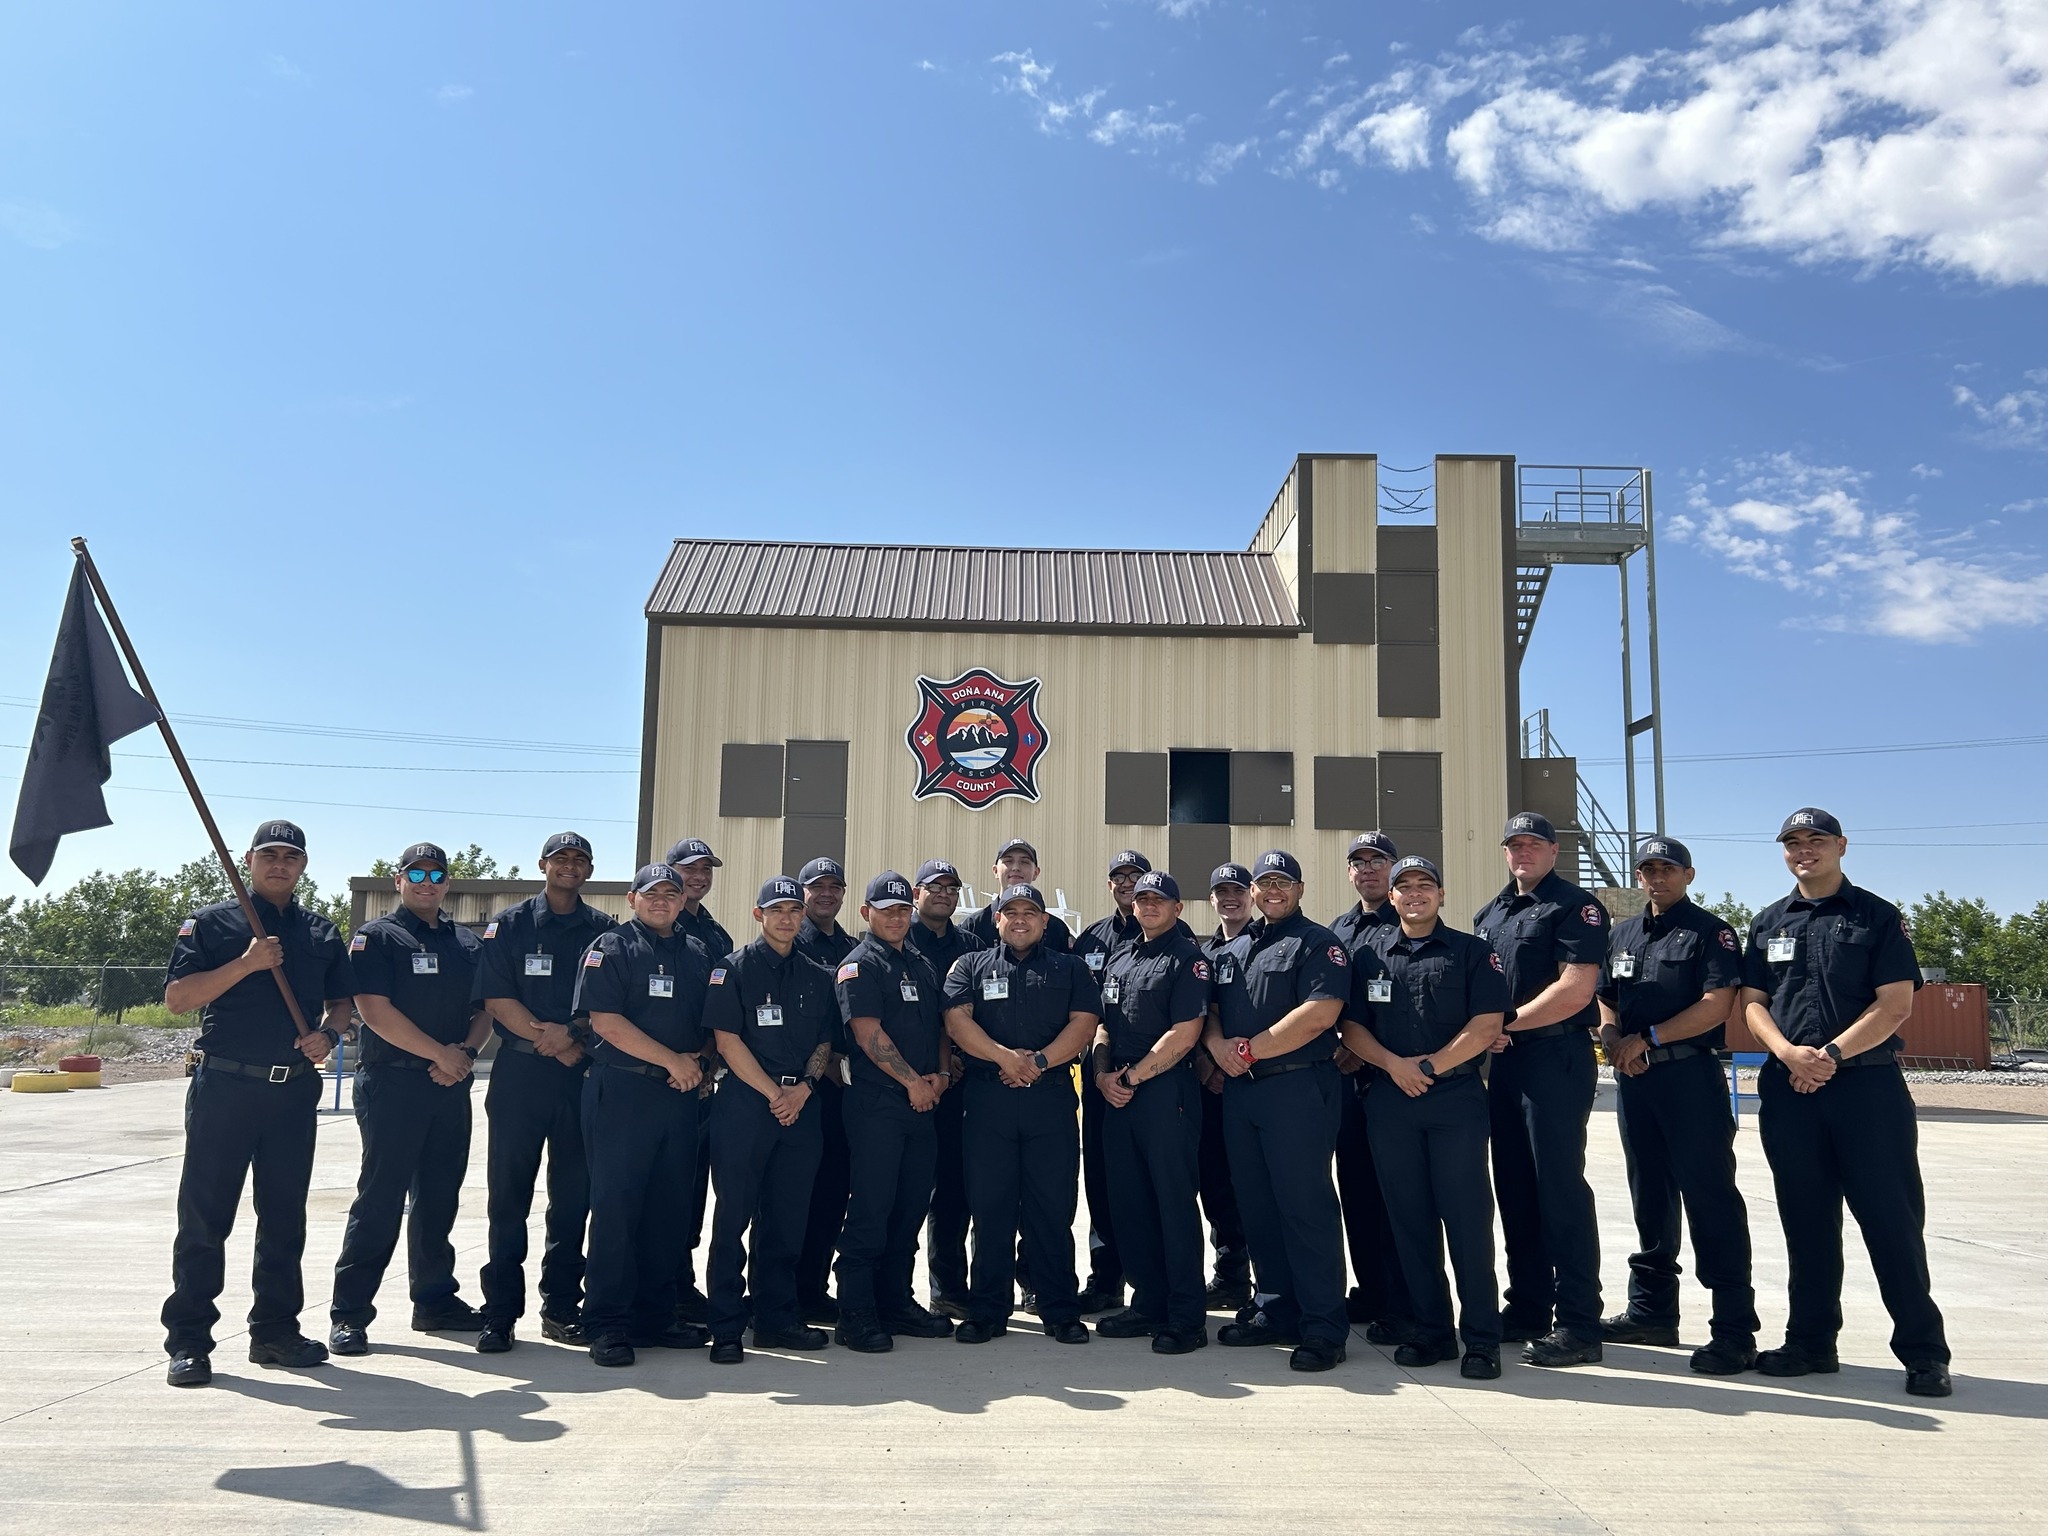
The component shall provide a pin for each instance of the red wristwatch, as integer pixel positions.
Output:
(1244, 1052)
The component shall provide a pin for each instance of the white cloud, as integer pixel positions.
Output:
(1335, 59)
(278, 67)
(1219, 160)
(2016, 419)
(926, 65)
(1871, 131)
(37, 226)
(1145, 128)
(1181, 10)
(454, 95)
(1925, 471)
(1807, 528)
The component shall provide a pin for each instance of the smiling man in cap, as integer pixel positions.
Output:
(252, 1104)
(693, 859)
(1828, 983)
(1016, 863)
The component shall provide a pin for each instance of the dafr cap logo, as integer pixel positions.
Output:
(977, 738)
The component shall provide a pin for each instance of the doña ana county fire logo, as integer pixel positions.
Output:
(976, 738)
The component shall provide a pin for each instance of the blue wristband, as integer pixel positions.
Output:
(1653, 1034)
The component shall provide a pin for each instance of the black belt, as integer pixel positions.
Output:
(642, 1068)
(1876, 1056)
(1469, 1064)
(519, 1043)
(1546, 1031)
(283, 1074)
(408, 1061)
(1658, 1054)
(1275, 1068)
(976, 1067)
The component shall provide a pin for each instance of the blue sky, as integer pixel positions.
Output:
(381, 352)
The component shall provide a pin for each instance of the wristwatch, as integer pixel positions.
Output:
(1427, 1068)
(1833, 1052)
(470, 1051)
(1038, 1060)
(1124, 1078)
(1244, 1052)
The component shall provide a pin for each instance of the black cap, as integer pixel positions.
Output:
(1375, 842)
(656, 874)
(1018, 842)
(1130, 858)
(278, 834)
(781, 888)
(1020, 893)
(423, 853)
(821, 869)
(568, 842)
(692, 850)
(1416, 861)
(937, 869)
(1157, 882)
(1528, 824)
(1278, 861)
(888, 889)
(1669, 849)
(1230, 874)
(1808, 818)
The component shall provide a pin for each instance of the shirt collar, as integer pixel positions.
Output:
(1844, 894)
(1410, 945)
(1673, 917)
(545, 915)
(413, 924)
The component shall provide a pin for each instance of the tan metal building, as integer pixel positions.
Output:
(1336, 674)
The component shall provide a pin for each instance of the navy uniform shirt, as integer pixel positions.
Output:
(1099, 942)
(1823, 961)
(780, 1005)
(706, 930)
(1152, 986)
(1356, 927)
(248, 1022)
(942, 949)
(1660, 965)
(827, 949)
(899, 987)
(1538, 935)
(427, 974)
(1275, 968)
(530, 955)
(1416, 994)
(657, 983)
(981, 923)
(1021, 1002)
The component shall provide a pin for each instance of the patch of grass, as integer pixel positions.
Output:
(78, 1017)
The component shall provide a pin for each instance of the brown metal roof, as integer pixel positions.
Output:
(899, 586)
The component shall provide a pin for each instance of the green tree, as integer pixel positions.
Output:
(470, 863)
(1736, 914)
(1964, 937)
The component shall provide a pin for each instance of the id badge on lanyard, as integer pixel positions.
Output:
(995, 988)
(768, 1015)
(540, 965)
(661, 986)
(1779, 951)
(1113, 990)
(1379, 989)
(1624, 966)
(426, 965)
(909, 990)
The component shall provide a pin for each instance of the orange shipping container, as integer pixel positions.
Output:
(1950, 1027)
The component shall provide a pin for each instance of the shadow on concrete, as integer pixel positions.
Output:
(346, 1399)
(1662, 1379)
(344, 1485)
(1979, 1116)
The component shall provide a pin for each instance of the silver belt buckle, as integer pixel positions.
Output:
(280, 1074)
(788, 1082)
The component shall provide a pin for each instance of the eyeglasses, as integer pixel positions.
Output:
(426, 876)
(944, 887)
(1371, 861)
(1274, 883)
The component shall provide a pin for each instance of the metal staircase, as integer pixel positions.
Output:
(1604, 850)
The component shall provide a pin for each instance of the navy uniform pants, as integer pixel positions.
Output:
(946, 1233)
(763, 1171)
(533, 1106)
(641, 1137)
(1541, 1095)
(234, 1125)
(693, 1213)
(1153, 1148)
(1219, 1195)
(1678, 1139)
(1856, 1140)
(1431, 1156)
(1282, 1133)
(1375, 1266)
(829, 1191)
(1023, 1175)
(892, 1153)
(1105, 1262)
(415, 1144)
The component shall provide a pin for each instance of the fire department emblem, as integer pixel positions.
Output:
(976, 738)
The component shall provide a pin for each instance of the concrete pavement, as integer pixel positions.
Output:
(1018, 1433)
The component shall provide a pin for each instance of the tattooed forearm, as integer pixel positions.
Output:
(820, 1059)
(883, 1053)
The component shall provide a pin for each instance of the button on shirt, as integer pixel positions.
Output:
(1539, 934)
(1659, 965)
(657, 983)
(248, 1022)
(1152, 986)
(1839, 950)
(1022, 1002)
(426, 973)
(1429, 988)
(1357, 925)
(1274, 969)
(899, 987)
(781, 1005)
(530, 954)
(981, 922)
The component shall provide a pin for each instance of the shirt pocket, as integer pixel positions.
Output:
(1672, 957)
(1437, 988)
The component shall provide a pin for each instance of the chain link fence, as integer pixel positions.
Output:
(2019, 1024)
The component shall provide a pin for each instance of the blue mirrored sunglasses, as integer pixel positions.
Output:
(426, 876)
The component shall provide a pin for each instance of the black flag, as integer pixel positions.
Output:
(87, 707)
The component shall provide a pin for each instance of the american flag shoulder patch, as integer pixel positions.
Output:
(490, 930)
(593, 960)
(718, 977)
(186, 928)
(849, 970)
(358, 943)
